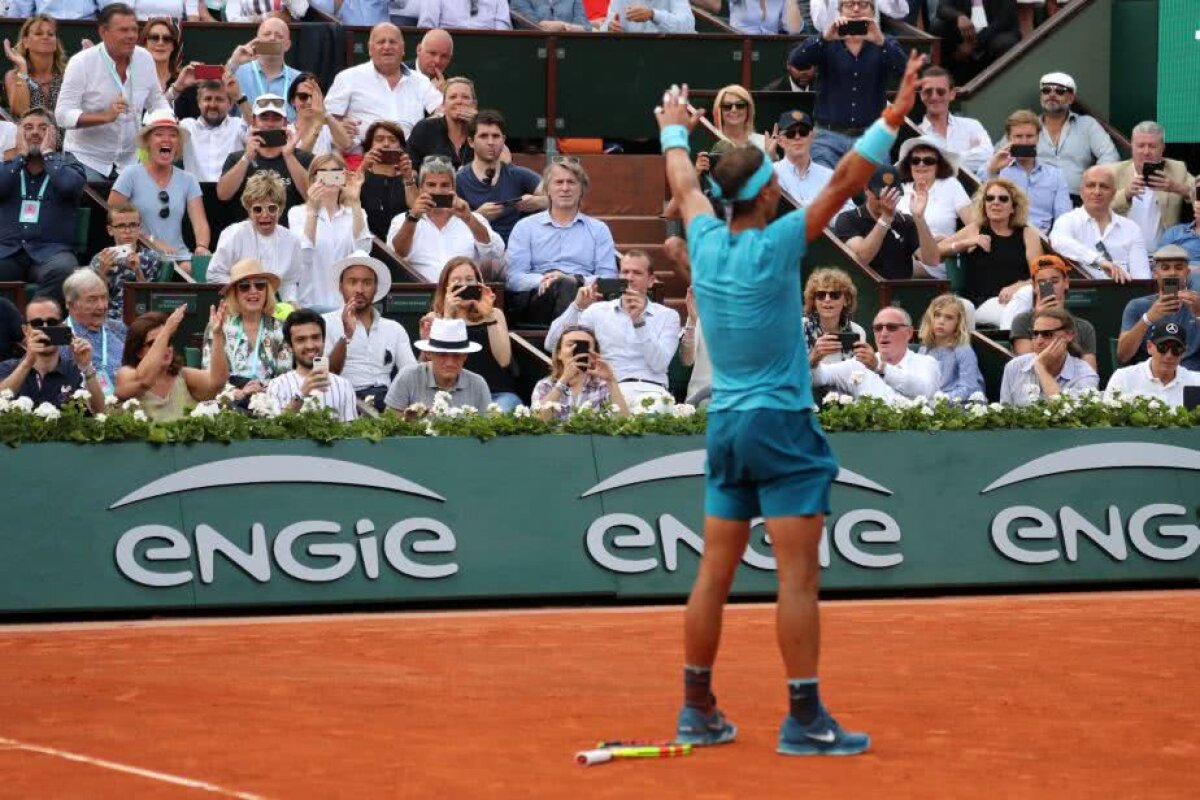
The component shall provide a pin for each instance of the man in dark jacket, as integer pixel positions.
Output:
(978, 31)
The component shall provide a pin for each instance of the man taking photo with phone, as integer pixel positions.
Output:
(1051, 282)
(1174, 302)
(270, 145)
(41, 374)
(636, 335)
(304, 332)
(1151, 189)
(1016, 159)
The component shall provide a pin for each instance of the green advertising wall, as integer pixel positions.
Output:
(294, 523)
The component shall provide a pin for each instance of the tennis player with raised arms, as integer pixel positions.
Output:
(767, 455)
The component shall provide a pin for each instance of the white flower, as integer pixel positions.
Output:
(494, 408)
(140, 416)
(417, 409)
(522, 412)
(5, 405)
(468, 410)
(996, 407)
(684, 410)
(207, 409)
(110, 399)
(977, 397)
(312, 403)
(903, 403)
(452, 412)
(81, 394)
(131, 404)
(926, 411)
(858, 377)
(47, 412)
(1155, 404)
(845, 399)
(978, 410)
(442, 402)
(23, 404)
(429, 429)
(263, 405)
(101, 417)
(6, 394)
(829, 399)
(227, 394)
(940, 397)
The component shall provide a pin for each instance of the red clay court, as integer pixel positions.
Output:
(1062, 696)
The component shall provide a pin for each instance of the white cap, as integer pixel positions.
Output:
(270, 104)
(1059, 79)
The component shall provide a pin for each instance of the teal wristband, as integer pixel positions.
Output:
(674, 136)
(876, 144)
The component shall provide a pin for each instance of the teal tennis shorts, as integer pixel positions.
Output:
(767, 462)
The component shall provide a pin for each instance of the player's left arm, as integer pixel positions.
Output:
(874, 148)
(681, 174)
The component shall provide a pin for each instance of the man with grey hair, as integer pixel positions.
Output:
(552, 253)
(440, 226)
(1151, 190)
(1072, 142)
(87, 317)
(893, 373)
(1106, 245)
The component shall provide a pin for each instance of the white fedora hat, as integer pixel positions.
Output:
(927, 143)
(448, 336)
(383, 277)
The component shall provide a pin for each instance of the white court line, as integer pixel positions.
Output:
(162, 777)
(1130, 595)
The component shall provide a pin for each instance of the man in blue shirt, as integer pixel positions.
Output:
(503, 193)
(552, 253)
(767, 455)
(854, 77)
(55, 9)
(1043, 184)
(263, 72)
(41, 374)
(1186, 234)
(1174, 302)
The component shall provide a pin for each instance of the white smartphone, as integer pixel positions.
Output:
(332, 177)
(320, 364)
(122, 251)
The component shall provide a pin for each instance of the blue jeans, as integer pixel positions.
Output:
(506, 400)
(828, 147)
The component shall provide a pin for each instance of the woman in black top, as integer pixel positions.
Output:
(995, 250)
(446, 135)
(389, 181)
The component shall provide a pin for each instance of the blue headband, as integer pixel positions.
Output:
(752, 186)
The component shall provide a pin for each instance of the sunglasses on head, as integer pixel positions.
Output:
(935, 91)
(891, 327)
(165, 199)
(435, 160)
(160, 38)
(1060, 90)
(997, 198)
(822, 294)
(734, 105)
(1174, 348)
(270, 208)
(798, 132)
(44, 322)
(923, 161)
(1044, 333)
(258, 286)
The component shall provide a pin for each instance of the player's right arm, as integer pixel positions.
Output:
(855, 168)
(681, 174)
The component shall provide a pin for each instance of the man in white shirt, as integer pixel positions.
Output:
(894, 372)
(1151, 190)
(1050, 370)
(263, 239)
(384, 88)
(364, 347)
(824, 12)
(105, 91)
(440, 225)
(487, 15)
(962, 136)
(1105, 244)
(1161, 376)
(638, 337)
(800, 176)
(213, 135)
(304, 332)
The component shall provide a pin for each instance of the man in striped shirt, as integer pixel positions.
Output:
(304, 332)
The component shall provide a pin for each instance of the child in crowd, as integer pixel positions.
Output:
(126, 261)
(944, 336)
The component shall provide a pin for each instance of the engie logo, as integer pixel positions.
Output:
(161, 556)
(851, 531)
(1161, 531)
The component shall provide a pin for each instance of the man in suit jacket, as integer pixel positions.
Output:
(1156, 202)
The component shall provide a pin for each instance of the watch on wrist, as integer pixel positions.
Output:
(411, 217)
(240, 100)
(1146, 320)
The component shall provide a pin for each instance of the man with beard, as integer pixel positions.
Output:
(364, 347)
(503, 193)
(304, 332)
(287, 161)
(1072, 142)
(214, 134)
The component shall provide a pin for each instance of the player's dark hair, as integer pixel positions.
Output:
(734, 169)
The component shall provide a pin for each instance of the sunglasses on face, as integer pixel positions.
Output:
(1044, 333)
(734, 105)
(160, 38)
(856, 4)
(165, 199)
(997, 198)
(835, 294)
(44, 322)
(1174, 348)
(798, 132)
(270, 208)
(935, 91)
(890, 327)
(303, 97)
(126, 226)
(923, 161)
(269, 102)
(258, 286)
(1058, 90)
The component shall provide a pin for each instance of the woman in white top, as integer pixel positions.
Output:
(924, 163)
(331, 225)
(262, 238)
(316, 129)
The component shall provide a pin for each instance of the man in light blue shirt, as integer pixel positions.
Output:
(550, 254)
(356, 12)
(799, 176)
(1049, 197)
(757, 17)
(650, 16)
(55, 9)
(553, 15)
(265, 73)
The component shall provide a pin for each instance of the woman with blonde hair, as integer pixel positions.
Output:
(733, 114)
(944, 336)
(994, 251)
(830, 300)
(262, 238)
(579, 378)
(331, 225)
(255, 349)
(447, 135)
(39, 60)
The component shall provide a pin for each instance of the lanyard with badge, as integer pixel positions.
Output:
(31, 210)
(102, 373)
(259, 75)
(124, 87)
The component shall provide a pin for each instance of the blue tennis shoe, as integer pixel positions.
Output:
(697, 728)
(822, 737)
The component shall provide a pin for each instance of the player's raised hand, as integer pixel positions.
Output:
(675, 111)
(906, 95)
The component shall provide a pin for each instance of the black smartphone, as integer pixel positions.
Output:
(1171, 286)
(390, 156)
(59, 335)
(1023, 150)
(510, 203)
(1045, 289)
(582, 347)
(1151, 167)
(443, 200)
(855, 27)
(847, 339)
(273, 138)
(472, 292)
(611, 288)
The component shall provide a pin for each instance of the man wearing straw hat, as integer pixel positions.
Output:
(364, 347)
(420, 384)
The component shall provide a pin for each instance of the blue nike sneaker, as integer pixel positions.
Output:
(701, 729)
(822, 737)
